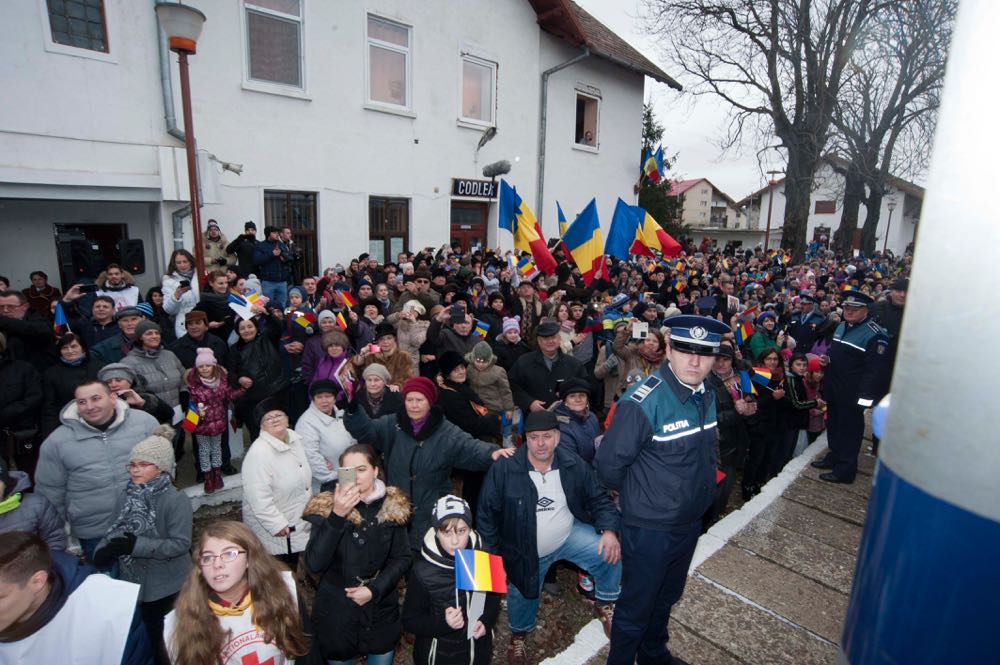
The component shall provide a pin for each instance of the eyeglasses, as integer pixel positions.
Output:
(138, 465)
(227, 556)
(275, 418)
(11, 308)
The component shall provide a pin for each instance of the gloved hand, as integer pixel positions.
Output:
(118, 546)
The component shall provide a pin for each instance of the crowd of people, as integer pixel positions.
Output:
(398, 413)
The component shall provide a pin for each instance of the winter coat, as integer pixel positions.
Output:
(161, 562)
(369, 546)
(59, 384)
(34, 514)
(734, 440)
(391, 403)
(398, 364)
(577, 431)
(608, 370)
(175, 307)
(259, 360)
(761, 340)
(446, 339)
(20, 395)
(419, 464)
(409, 336)
(491, 384)
(125, 295)
(312, 354)
(631, 364)
(277, 484)
(507, 504)
(507, 353)
(41, 301)
(111, 350)
(213, 403)
(217, 257)
(361, 332)
(186, 349)
(217, 309)
(81, 470)
(463, 407)
(270, 268)
(531, 379)
(30, 339)
(243, 248)
(430, 588)
(324, 438)
(163, 375)
(796, 405)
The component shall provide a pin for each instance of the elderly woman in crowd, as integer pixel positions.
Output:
(59, 381)
(257, 366)
(150, 537)
(376, 399)
(277, 483)
(411, 330)
(162, 373)
(335, 364)
(324, 436)
(389, 356)
(313, 351)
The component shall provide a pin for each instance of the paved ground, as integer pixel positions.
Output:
(777, 591)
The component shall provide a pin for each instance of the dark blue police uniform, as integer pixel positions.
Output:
(855, 379)
(802, 327)
(659, 452)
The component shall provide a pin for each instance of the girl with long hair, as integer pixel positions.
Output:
(238, 604)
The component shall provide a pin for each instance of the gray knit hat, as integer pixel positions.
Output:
(376, 369)
(145, 326)
(482, 351)
(157, 449)
(117, 371)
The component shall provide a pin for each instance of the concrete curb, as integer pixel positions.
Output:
(232, 492)
(591, 637)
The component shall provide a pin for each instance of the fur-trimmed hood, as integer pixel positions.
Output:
(127, 279)
(396, 508)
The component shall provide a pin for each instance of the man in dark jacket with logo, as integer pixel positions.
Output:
(659, 453)
(536, 376)
(542, 505)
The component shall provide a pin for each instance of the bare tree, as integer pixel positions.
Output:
(889, 102)
(778, 65)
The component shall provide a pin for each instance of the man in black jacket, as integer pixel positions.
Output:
(29, 335)
(542, 505)
(243, 248)
(536, 376)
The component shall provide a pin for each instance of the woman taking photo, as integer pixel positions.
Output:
(258, 368)
(75, 366)
(151, 536)
(277, 484)
(638, 358)
(359, 547)
(237, 606)
(180, 288)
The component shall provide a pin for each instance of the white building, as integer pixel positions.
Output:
(355, 123)
(898, 218)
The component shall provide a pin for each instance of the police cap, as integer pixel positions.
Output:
(857, 299)
(699, 335)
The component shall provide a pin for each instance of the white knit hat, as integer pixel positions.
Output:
(157, 449)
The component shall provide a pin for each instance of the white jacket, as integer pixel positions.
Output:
(178, 308)
(277, 484)
(324, 439)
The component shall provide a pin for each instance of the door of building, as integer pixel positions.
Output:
(468, 224)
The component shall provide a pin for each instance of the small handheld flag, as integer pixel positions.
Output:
(744, 330)
(526, 269)
(59, 324)
(761, 376)
(191, 420)
(482, 329)
(746, 384)
(341, 321)
(476, 570)
(346, 298)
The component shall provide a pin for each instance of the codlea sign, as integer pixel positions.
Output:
(478, 189)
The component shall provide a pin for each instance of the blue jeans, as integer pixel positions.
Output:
(581, 549)
(373, 659)
(276, 292)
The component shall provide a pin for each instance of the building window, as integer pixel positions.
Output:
(704, 203)
(704, 191)
(388, 62)
(79, 23)
(826, 207)
(478, 90)
(297, 211)
(587, 116)
(274, 41)
(388, 227)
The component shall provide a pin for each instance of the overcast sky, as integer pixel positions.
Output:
(693, 125)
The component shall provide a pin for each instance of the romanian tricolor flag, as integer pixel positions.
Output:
(526, 269)
(761, 376)
(346, 298)
(341, 321)
(516, 217)
(305, 319)
(744, 329)
(235, 298)
(561, 216)
(650, 236)
(725, 264)
(846, 287)
(59, 323)
(652, 165)
(476, 570)
(191, 420)
(585, 244)
(746, 384)
(482, 329)
(678, 285)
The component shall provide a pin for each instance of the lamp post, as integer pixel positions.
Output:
(892, 206)
(182, 25)
(770, 202)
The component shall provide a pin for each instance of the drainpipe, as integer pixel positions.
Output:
(543, 123)
(177, 225)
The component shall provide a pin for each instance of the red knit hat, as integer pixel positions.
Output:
(422, 385)
(814, 365)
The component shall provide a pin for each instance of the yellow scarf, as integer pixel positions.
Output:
(220, 610)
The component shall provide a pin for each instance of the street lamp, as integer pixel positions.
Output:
(182, 25)
(892, 206)
(770, 202)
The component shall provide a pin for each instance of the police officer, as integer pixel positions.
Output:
(659, 453)
(803, 324)
(855, 379)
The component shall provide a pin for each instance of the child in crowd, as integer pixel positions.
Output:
(209, 388)
(814, 390)
(429, 610)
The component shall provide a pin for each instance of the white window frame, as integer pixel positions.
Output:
(273, 87)
(466, 55)
(592, 93)
(376, 105)
(52, 46)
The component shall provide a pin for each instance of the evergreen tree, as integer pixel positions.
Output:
(654, 198)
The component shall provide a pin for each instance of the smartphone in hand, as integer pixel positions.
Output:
(346, 475)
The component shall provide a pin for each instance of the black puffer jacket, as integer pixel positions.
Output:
(733, 436)
(259, 360)
(30, 339)
(530, 378)
(20, 395)
(367, 547)
(59, 383)
(430, 588)
(456, 400)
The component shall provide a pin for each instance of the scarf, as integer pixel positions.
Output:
(76, 362)
(210, 383)
(378, 492)
(419, 424)
(138, 515)
(43, 615)
(186, 275)
(151, 353)
(374, 403)
(10, 503)
(654, 358)
(221, 608)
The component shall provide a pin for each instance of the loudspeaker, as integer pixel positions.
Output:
(133, 257)
(85, 259)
